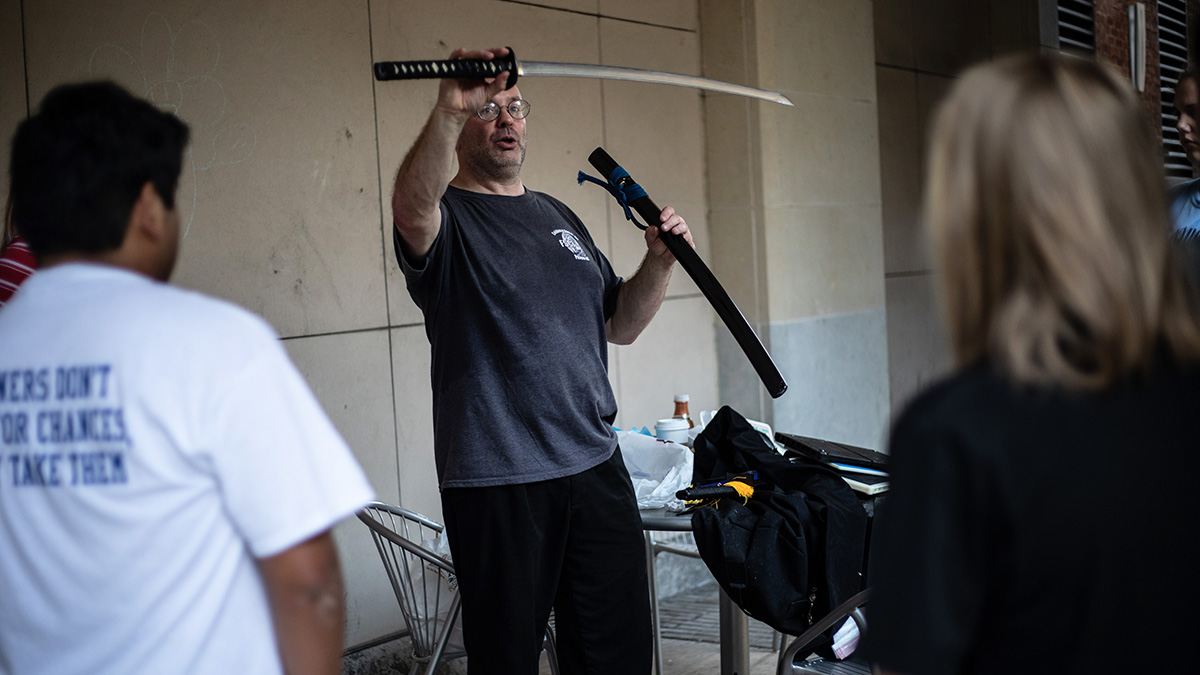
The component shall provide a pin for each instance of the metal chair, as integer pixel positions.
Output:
(400, 536)
(788, 665)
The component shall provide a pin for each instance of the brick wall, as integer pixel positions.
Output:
(1112, 46)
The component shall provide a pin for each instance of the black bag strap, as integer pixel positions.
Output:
(735, 556)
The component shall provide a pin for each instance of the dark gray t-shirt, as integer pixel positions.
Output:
(515, 296)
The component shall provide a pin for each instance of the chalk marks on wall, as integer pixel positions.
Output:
(177, 70)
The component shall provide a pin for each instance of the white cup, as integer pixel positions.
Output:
(672, 430)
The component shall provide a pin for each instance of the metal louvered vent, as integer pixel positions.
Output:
(1077, 25)
(1172, 59)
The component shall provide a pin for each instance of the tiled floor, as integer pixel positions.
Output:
(691, 643)
(682, 657)
(693, 616)
(691, 636)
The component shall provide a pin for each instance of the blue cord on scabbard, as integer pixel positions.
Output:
(622, 188)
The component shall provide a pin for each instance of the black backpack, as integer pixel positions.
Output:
(794, 550)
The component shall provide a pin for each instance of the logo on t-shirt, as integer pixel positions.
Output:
(569, 241)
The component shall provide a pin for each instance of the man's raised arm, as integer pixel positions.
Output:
(426, 170)
(642, 294)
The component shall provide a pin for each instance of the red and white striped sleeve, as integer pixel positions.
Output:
(16, 264)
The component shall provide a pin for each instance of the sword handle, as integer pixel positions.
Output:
(707, 282)
(453, 68)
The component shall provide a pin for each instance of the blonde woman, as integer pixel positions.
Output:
(1041, 517)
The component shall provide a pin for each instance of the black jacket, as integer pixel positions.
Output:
(794, 550)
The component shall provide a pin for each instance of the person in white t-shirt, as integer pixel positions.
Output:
(167, 480)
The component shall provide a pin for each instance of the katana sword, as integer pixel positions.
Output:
(480, 68)
(628, 191)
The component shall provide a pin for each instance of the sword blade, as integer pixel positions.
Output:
(552, 69)
(486, 68)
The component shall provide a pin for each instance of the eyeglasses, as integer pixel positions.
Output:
(518, 108)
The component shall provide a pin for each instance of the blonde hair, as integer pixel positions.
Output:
(1047, 209)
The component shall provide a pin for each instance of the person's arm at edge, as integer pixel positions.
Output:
(641, 295)
(426, 170)
(305, 593)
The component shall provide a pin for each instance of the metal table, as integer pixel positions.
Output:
(734, 624)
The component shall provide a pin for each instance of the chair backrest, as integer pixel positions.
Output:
(423, 581)
(853, 608)
(679, 543)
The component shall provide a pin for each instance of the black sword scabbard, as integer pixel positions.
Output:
(706, 281)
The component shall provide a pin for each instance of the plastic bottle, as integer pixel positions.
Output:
(681, 410)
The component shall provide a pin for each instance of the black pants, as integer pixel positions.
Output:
(573, 543)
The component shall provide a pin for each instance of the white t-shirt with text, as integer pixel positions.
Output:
(153, 443)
